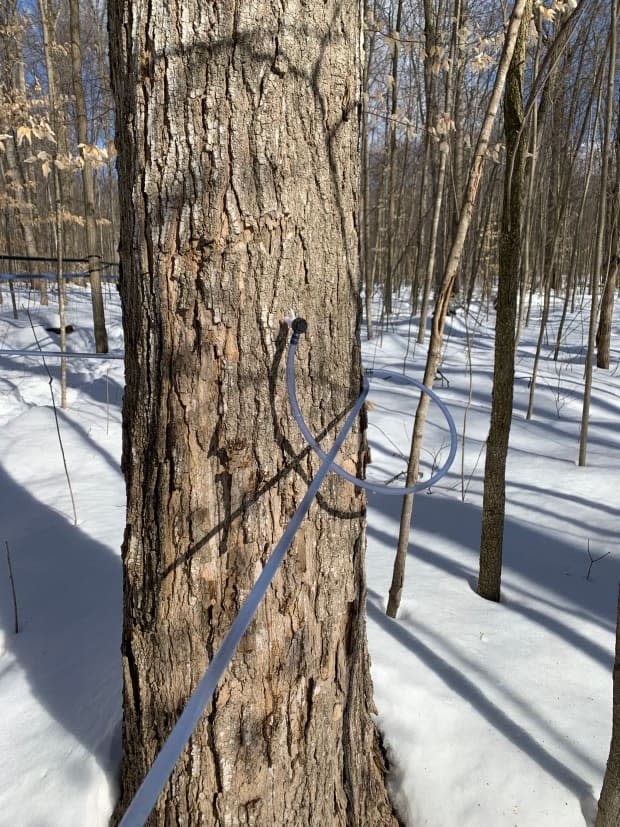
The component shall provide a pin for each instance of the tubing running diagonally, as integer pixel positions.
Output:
(156, 778)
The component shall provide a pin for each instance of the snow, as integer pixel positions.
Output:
(492, 714)
(60, 681)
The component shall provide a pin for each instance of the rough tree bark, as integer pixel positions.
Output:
(609, 802)
(238, 172)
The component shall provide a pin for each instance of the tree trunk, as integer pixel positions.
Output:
(442, 130)
(88, 183)
(603, 337)
(425, 264)
(544, 317)
(366, 266)
(24, 208)
(494, 499)
(49, 41)
(389, 281)
(609, 802)
(586, 177)
(238, 172)
(599, 257)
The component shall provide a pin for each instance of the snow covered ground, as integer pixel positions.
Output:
(494, 715)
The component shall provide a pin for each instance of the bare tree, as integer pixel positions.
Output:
(599, 257)
(603, 337)
(49, 40)
(88, 181)
(442, 129)
(493, 505)
(14, 97)
(391, 177)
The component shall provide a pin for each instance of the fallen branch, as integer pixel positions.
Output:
(12, 582)
(594, 560)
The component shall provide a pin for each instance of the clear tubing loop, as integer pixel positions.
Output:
(381, 373)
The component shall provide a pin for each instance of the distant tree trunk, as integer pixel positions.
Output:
(494, 498)
(553, 105)
(585, 186)
(458, 143)
(48, 44)
(609, 802)
(425, 266)
(88, 182)
(388, 284)
(443, 298)
(443, 132)
(599, 257)
(24, 208)
(529, 212)
(422, 230)
(603, 338)
(544, 317)
(367, 269)
(238, 173)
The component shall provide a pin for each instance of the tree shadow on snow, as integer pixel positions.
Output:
(104, 390)
(70, 422)
(456, 680)
(539, 567)
(70, 609)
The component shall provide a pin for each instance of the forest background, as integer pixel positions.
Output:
(429, 68)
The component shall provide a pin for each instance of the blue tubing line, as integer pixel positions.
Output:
(156, 778)
(375, 488)
(50, 276)
(60, 354)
